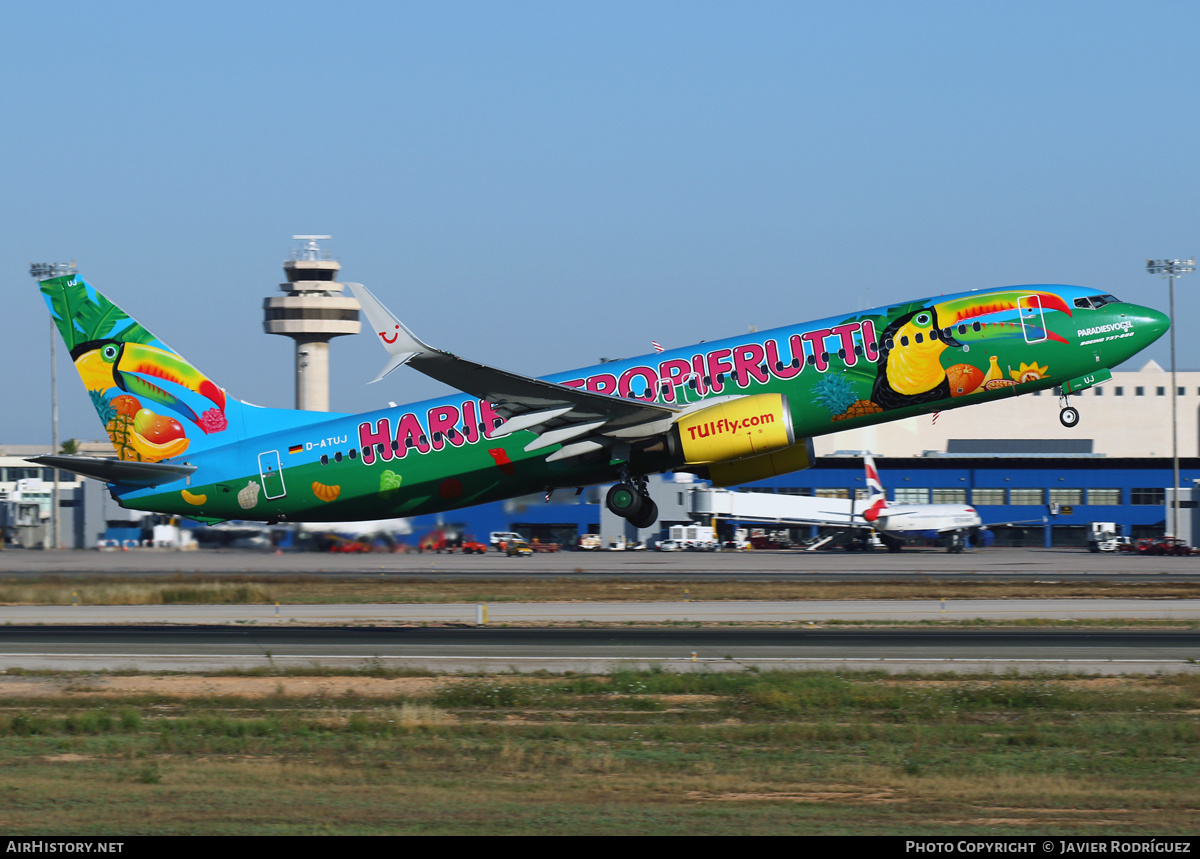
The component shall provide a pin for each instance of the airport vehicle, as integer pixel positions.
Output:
(497, 539)
(471, 546)
(590, 542)
(1163, 546)
(701, 538)
(1100, 536)
(517, 549)
(1114, 544)
(733, 411)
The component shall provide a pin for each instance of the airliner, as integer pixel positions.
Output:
(732, 411)
(897, 522)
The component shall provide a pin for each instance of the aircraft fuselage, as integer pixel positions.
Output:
(837, 373)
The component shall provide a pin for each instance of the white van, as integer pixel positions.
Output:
(497, 539)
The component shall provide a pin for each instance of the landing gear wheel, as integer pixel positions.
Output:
(1069, 417)
(625, 501)
(647, 516)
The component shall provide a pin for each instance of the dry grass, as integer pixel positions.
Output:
(134, 592)
(630, 753)
(308, 590)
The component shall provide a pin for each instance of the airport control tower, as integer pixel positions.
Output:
(312, 313)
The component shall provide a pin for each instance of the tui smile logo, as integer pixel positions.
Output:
(391, 339)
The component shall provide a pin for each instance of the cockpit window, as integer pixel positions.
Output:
(1096, 301)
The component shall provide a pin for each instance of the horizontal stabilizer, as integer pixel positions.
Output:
(116, 470)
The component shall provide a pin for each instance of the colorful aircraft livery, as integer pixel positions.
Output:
(732, 411)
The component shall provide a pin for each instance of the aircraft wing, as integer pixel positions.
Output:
(1008, 522)
(579, 420)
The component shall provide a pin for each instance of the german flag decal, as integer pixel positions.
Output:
(296, 448)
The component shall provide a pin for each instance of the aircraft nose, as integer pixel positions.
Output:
(1147, 326)
(1154, 322)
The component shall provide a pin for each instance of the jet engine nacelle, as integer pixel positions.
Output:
(795, 458)
(735, 429)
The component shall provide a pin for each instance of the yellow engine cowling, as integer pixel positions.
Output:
(795, 458)
(736, 429)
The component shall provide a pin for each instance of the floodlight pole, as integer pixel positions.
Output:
(1171, 269)
(43, 271)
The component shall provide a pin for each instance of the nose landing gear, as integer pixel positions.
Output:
(1068, 416)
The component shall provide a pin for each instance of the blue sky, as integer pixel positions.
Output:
(536, 185)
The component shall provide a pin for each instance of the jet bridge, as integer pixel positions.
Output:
(771, 509)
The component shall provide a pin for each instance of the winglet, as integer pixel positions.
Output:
(393, 334)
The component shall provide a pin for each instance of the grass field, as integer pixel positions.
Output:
(651, 753)
(308, 590)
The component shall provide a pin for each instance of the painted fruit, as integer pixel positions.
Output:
(156, 428)
(858, 409)
(963, 379)
(126, 405)
(326, 492)
(148, 451)
(248, 496)
(192, 498)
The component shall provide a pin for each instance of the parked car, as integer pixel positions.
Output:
(669, 546)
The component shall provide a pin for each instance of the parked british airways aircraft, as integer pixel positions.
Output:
(734, 410)
(897, 522)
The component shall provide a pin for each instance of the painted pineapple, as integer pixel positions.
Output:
(836, 394)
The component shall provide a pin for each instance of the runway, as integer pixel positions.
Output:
(995, 564)
(487, 649)
(708, 611)
(214, 638)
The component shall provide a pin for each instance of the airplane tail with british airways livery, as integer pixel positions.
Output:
(957, 524)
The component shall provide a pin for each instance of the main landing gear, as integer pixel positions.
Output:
(630, 500)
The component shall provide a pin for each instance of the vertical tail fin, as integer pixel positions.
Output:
(153, 404)
(876, 497)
